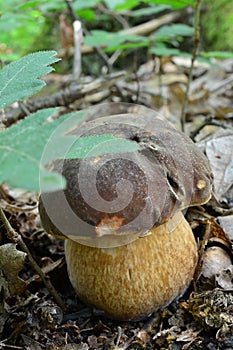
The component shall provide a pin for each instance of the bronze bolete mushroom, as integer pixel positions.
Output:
(129, 249)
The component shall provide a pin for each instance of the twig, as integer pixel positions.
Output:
(78, 37)
(151, 26)
(24, 108)
(16, 238)
(144, 330)
(223, 211)
(209, 121)
(97, 49)
(201, 253)
(102, 55)
(11, 233)
(2, 345)
(120, 19)
(196, 39)
(119, 329)
(64, 97)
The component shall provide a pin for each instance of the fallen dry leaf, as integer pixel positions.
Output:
(11, 263)
(219, 152)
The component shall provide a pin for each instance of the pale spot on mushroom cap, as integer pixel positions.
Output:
(96, 159)
(201, 184)
(108, 226)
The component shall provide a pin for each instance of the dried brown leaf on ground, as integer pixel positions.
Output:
(11, 263)
(219, 152)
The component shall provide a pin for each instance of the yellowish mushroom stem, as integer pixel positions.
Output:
(131, 281)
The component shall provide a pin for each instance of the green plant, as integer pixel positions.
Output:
(20, 24)
(24, 24)
(217, 24)
(22, 145)
(164, 41)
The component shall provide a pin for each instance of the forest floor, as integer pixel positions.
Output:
(203, 317)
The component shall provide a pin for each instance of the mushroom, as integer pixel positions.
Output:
(129, 249)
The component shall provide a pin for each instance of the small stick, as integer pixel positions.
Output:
(78, 38)
(196, 39)
(119, 336)
(16, 238)
(2, 345)
(201, 254)
(101, 54)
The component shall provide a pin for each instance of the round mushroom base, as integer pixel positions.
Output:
(131, 281)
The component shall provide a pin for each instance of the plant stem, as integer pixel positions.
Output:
(16, 238)
(196, 41)
(101, 54)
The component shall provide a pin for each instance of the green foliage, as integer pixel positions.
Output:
(114, 41)
(22, 145)
(113, 4)
(25, 24)
(130, 4)
(21, 148)
(162, 50)
(80, 5)
(148, 11)
(19, 79)
(176, 4)
(217, 54)
(93, 146)
(217, 24)
(121, 40)
(173, 31)
(20, 24)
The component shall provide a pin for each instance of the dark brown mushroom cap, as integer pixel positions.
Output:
(125, 194)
